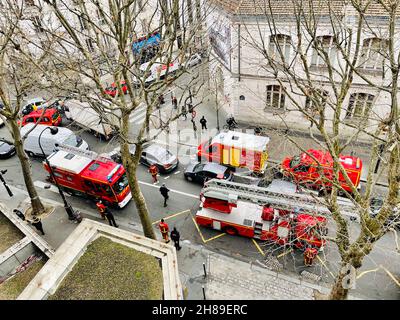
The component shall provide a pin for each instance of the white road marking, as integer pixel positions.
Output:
(172, 190)
(140, 116)
(177, 172)
(41, 184)
(167, 177)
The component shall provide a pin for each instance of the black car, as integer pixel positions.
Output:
(6, 150)
(201, 172)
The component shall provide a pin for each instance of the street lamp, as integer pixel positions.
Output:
(67, 206)
(5, 183)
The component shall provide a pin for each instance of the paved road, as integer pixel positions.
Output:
(183, 204)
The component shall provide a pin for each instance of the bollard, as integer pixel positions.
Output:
(204, 293)
(204, 268)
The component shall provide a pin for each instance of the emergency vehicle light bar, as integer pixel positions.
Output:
(113, 171)
(85, 153)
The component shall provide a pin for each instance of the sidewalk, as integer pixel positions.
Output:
(227, 278)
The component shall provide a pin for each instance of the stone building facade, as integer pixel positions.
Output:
(252, 90)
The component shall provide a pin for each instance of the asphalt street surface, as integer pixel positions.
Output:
(183, 204)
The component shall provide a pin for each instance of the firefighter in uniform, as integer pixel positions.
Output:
(102, 209)
(153, 171)
(309, 255)
(164, 230)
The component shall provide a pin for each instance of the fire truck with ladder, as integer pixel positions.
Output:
(240, 209)
(85, 173)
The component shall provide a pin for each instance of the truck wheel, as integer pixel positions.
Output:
(231, 231)
(189, 178)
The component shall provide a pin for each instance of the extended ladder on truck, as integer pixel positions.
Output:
(233, 191)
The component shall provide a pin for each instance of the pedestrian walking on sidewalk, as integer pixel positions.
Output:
(203, 122)
(110, 218)
(164, 192)
(37, 224)
(175, 236)
(175, 102)
(164, 228)
(101, 208)
(184, 111)
(153, 171)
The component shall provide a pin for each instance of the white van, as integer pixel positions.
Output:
(48, 140)
(83, 115)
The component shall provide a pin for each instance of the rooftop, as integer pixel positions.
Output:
(287, 7)
(242, 140)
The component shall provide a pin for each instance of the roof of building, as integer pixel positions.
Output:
(241, 140)
(286, 7)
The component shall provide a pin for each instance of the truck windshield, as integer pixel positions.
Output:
(121, 184)
(73, 141)
(295, 161)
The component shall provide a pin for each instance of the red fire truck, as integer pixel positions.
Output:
(236, 149)
(245, 210)
(303, 169)
(84, 173)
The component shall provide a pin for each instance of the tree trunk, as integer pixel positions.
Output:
(337, 291)
(130, 164)
(37, 206)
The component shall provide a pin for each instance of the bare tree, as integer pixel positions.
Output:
(22, 69)
(105, 41)
(322, 70)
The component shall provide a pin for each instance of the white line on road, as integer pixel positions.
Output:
(167, 177)
(172, 190)
(137, 117)
(177, 172)
(41, 184)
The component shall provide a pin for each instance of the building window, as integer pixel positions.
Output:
(100, 17)
(373, 54)
(316, 101)
(89, 43)
(279, 46)
(190, 11)
(198, 10)
(37, 23)
(275, 97)
(83, 22)
(323, 44)
(359, 105)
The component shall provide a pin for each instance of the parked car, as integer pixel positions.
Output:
(6, 150)
(201, 172)
(193, 60)
(51, 117)
(112, 90)
(33, 105)
(49, 140)
(151, 154)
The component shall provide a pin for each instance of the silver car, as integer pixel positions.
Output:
(151, 154)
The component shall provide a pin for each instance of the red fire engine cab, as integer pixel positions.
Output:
(84, 173)
(303, 169)
(256, 212)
